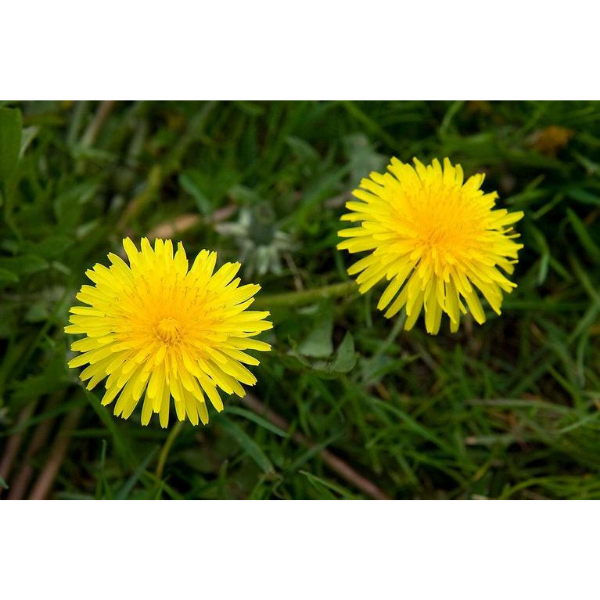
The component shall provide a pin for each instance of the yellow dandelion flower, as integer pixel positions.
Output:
(157, 327)
(434, 238)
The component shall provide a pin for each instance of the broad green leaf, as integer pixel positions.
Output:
(303, 151)
(343, 361)
(54, 246)
(37, 312)
(318, 343)
(23, 265)
(7, 276)
(68, 203)
(345, 357)
(192, 185)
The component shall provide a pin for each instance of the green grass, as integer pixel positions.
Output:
(504, 410)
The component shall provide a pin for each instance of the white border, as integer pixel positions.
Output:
(315, 49)
(410, 549)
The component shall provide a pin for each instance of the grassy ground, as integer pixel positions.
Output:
(347, 405)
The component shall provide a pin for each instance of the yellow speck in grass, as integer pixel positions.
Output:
(436, 239)
(157, 329)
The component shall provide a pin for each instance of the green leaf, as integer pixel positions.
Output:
(38, 385)
(303, 151)
(122, 444)
(54, 246)
(23, 265)
(192, 184)
(7, 277)
(130, 483)
(41, 417)
(345, 357)
(208, 189)
(242, 412)
(318, 343)
(247, 444)
(343, 361)
(37, 312)
(321, 483)
(53, 377)
(362, 157)
(10, 141)
(68, 203)
(584, 236)
(583, 196)
(544, 250)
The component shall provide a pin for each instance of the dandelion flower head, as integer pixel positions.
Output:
(435, 239)
(155, 328)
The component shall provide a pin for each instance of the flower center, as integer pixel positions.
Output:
(444, 239)
(168, 330)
